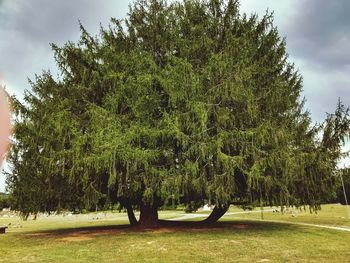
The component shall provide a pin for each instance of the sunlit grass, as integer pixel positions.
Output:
(100, 237)
(331, 214)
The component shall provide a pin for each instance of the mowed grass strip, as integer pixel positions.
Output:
(330, 214)
(83, 238)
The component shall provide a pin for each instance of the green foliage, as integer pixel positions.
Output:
(4, 201)
(338, 195)
(184, 100)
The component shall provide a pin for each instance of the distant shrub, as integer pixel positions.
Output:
(4, 201)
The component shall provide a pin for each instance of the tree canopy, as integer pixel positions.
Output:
(190, 101)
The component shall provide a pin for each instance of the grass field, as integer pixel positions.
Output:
(103, 237)
(334, 215)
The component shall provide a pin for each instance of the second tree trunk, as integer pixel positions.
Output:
(216, 214)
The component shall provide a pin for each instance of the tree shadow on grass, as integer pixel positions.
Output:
(165, 226)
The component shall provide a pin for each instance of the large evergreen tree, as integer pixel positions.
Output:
(187, 100)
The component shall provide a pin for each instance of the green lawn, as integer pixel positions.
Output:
(332, 214)
(83, 238)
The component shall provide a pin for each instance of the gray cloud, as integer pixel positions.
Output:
(322, 90)
(27, 28)
(42, 21)
(320, 33)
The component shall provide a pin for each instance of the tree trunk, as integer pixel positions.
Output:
(216, 214)
(131, 215)
(148, 216)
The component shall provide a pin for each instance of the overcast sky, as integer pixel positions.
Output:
(317, 32)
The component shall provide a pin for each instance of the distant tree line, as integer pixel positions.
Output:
(4, 201)
(339, 195)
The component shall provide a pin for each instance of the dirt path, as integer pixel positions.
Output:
(191, 216)
(197, 215)
(340, 228)
(188, 216)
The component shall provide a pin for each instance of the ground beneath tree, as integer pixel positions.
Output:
(166, 226)
(244, 237)
(177, 224)
(88, 233)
